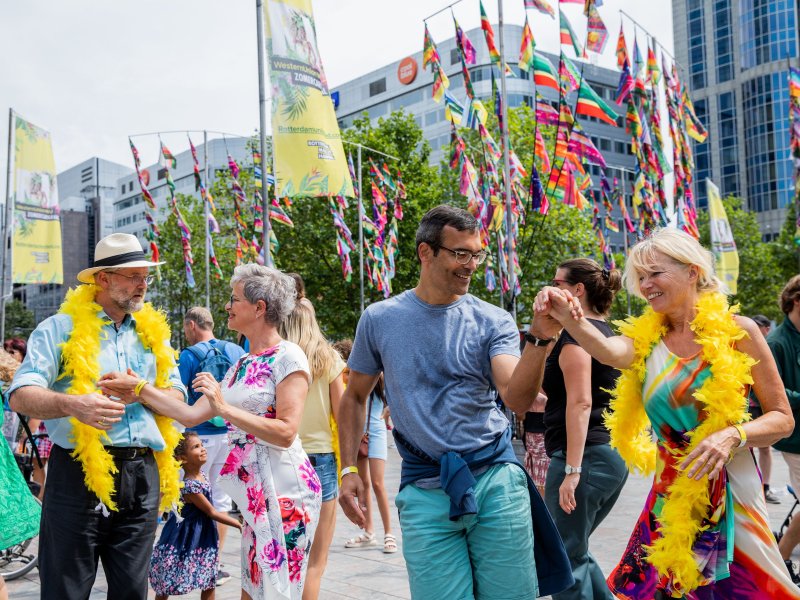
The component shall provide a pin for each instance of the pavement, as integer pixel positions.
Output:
(370, 574)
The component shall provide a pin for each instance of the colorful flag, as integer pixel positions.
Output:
(526, 57)
(722, 243)
(536, 192)
(625, 84)
(309, 158)
(453, 110)
(440, 84)
(597, 34)
(488, 33)
(543, 6)
(568, 72)
(591, 105)
(430, 56)
(694, 127)
(794, 83)
(581, 145)
(622, 49)
(465, 47)
(476, 114)
(543, 72)
(168, 158)
(568, 36)
(638, 62)
(36, 228)
(653, 72)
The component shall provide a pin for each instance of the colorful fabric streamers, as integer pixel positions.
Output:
(488, 33)
(344, 239)
(199, 184)
(186, 233)
(591, 105)
(465, 47)
(544, 73)
(543, 6)
(622, 50)
(526, 57)
(568, 37)
(597, 34)
(794, 141)
(430, 55)
(152, 229)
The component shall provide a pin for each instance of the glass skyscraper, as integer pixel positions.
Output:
(735, 56)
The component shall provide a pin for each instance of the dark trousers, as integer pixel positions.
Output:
(602, 478)
(74, 535)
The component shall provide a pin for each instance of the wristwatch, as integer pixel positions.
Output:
(537, 341)
(569, 470)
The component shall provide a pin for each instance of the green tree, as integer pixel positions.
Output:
(759, 275)
(19, 320)
(785, 248)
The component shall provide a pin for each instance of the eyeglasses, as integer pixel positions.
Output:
(463, 256)
(556, 282)
(136, 279)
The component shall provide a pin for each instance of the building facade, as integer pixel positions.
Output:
(404, 85)
(737, 56)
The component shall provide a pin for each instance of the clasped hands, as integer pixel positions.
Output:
(560, 305)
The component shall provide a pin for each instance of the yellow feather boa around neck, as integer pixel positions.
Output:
(722, 398)
(81, 362)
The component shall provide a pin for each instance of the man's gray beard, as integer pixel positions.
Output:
(130, 306)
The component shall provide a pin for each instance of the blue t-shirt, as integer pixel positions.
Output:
(188, 365)
(436, 364)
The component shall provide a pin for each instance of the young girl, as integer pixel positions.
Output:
(185, 557)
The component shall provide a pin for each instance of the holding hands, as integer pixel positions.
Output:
(557, 304)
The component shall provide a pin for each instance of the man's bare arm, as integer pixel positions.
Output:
(42, 403)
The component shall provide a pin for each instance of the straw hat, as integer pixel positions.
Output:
(117, 250)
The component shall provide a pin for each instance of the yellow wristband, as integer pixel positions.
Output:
(742, 434)
(139, 386)
(348, 470)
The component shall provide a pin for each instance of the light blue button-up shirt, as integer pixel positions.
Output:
(119, 349)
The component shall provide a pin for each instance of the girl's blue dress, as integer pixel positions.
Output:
(185, 557)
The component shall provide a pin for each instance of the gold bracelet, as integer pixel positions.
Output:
(742, 434)
(139, 386)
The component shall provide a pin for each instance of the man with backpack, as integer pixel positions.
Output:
(205, 353)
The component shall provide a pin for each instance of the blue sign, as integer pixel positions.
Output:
(335, 99)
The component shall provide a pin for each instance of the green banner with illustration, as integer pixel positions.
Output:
(36, 241)
(308, 155)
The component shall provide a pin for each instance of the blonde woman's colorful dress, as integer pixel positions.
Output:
(736, 550)
(275, 488)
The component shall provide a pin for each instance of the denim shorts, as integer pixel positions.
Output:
(325, 466)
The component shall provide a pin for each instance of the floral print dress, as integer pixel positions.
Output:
(276, 488)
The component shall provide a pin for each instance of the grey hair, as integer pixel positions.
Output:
(276, 289)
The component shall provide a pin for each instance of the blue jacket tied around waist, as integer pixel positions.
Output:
(454, 470)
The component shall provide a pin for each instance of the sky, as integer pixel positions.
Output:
(94, 72)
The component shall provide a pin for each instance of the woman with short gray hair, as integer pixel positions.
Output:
(267, 472)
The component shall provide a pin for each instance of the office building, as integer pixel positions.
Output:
(736, 57)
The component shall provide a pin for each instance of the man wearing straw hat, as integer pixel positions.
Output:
(89, 372)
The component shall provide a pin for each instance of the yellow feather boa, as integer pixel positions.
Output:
(81, 360)
(723, 401)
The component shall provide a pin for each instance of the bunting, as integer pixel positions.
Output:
(152, 233)
(186, 233)
(205, 197)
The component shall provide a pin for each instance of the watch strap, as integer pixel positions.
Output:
(570, 470)
(536, 341)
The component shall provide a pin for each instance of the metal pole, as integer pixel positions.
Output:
(506, 170)
(360, 234)
(6, 228)
(262, 105)
(206, 214)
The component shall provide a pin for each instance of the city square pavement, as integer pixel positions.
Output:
(369, 573)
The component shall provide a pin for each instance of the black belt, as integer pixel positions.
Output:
(127, 452)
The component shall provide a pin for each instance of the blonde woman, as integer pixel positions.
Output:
(687, 365)
(326, 389)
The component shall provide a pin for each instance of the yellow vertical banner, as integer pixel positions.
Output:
(36, 241)
(308, 154)
(722, 243)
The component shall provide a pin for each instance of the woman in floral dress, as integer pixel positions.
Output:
(267, 473)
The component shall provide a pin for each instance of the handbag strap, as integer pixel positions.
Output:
(369, 412)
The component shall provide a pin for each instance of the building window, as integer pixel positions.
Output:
(431, 118)
(728, 144)
(162, 173)
(122, 191)
(130, 186)
(406, 99)
(377, 87)
(697, 39)
(723, 34)
(702, 158)
(455, 56)
(768, 31)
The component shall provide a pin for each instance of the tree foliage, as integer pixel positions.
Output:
(759, 281)
(19, 320)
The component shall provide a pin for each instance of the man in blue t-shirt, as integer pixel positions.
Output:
(198, 328)
(443, 353)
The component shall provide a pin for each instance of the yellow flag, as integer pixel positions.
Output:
(722, 243)
(36, 242)
(307, 144)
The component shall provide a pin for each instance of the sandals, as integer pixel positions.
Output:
(363, 540)
(389, 544)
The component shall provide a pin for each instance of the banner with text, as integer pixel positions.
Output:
(307, 146)
(722, 243)
(36, 242)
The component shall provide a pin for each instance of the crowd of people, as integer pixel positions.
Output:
(284, 422)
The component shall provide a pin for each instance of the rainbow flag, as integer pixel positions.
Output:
(488, 33)
(453, 111)
(543, 6)
(794, 83)
(653, 72)
(545, 113)
(597, 34)
(591, 105)
(440, 83)
(568, 37)
(622, 49)
(625, 84)
(526, 58)
(540, 151)
(581, 145)
(543, 72)
(568, 74)
(430, 56)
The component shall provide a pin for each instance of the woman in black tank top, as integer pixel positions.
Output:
(586, 475)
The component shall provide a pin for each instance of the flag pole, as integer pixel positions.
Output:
(6, 228)
(206, 210)
(262, 105)
(512, 284)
